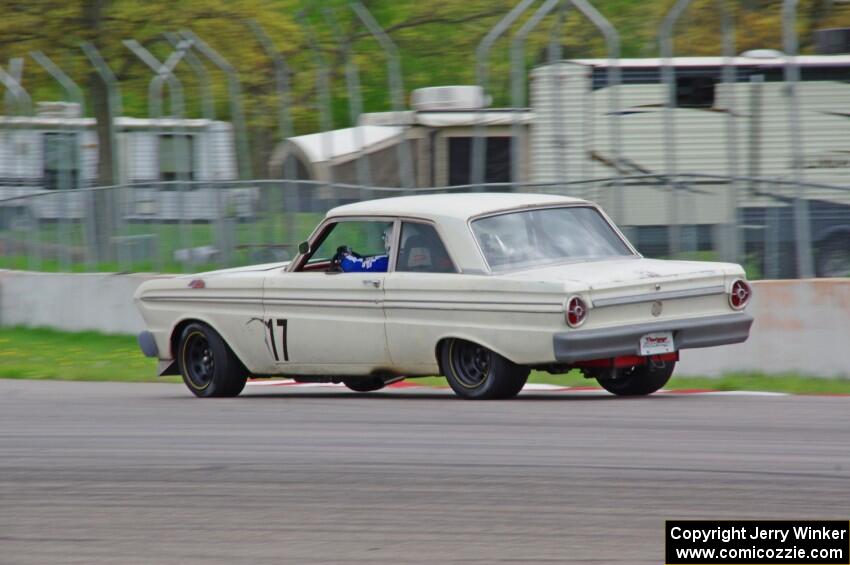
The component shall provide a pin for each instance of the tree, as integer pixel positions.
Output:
(437, 40)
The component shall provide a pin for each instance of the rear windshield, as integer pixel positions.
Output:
(533, 238)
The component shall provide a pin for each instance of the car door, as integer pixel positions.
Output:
(319, 321)
(421, 296)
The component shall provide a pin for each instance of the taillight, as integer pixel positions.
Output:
(740, 294)
(576, 312)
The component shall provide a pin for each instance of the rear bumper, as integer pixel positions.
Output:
(613, 342)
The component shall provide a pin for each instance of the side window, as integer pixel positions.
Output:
(422, 250)
(365, 238)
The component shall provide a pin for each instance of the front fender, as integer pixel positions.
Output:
(168, 363)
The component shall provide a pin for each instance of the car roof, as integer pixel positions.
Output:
(455, 206)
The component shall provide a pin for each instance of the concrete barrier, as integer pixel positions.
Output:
(70, 301)
(800, 326)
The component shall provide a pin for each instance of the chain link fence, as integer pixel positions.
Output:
(739, 158)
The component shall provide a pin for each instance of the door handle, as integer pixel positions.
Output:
(372, 283)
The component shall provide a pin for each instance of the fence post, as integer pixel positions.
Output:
(668, 78)
(234, 89)
(553, 58)
(23, 107)
(165, 72)
(731, 247)
(23, 102)
(323, 87)
(208, 113)
(355, 102)
(754, 172)
(114, 106)
(482, 55)
(802, 228)
(75, 95)
(200, 72)
(396, 84)
(285, 128)
(113, 199)
(612, 41)
(16, 71)
(519, 82)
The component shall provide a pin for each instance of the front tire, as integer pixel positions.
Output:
(639, 380)
(208, 366)
(476, 373)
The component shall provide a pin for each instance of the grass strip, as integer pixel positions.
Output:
(89, 356)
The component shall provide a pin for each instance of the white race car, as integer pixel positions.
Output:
(481, 288)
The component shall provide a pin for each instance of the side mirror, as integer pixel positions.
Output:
(304, 247)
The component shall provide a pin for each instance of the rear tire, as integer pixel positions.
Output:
(639, 380)
(369, 384)
(476, 373)
(208, 366)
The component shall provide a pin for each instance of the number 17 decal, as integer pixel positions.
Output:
(281, 324)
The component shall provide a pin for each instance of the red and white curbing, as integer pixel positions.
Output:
(530, 387)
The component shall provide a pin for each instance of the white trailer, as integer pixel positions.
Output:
(438, 132)
(716, 128)
(49, 153)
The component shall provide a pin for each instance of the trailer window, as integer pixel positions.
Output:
(497, 165)
(695, 91)
(61, 161)
(176, 157)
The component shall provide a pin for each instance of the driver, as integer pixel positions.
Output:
(352, 262)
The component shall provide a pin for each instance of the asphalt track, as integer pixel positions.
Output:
(145, 473)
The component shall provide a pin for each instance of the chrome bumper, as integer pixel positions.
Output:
(606, 343)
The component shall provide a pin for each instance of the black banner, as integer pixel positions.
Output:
(758, 542)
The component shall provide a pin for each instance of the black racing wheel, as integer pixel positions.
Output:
(208, 366)
(476, 373)
(367, 384)
(639, 380)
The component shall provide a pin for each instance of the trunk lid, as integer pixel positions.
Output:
(622, 291)
(623, 277)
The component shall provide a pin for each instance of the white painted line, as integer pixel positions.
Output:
(529, 387)
(744, 393)
(269, 382)
(544, 386)
(290, 382)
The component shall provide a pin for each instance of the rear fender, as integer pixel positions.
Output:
(474, 339)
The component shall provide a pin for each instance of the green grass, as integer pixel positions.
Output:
(84, 356)
(786, 382)
(89, 356)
